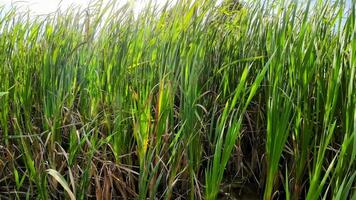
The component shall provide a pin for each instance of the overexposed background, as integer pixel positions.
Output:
(40, 7)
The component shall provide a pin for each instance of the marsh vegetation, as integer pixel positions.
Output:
(187, 101)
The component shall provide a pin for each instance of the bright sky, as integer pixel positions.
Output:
(39, 7)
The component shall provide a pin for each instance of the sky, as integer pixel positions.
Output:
(40, 7)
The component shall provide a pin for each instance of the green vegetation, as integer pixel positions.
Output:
(192, 101)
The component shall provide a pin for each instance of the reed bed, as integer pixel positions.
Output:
(191, 100)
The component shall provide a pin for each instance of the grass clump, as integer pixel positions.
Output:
(190, 100)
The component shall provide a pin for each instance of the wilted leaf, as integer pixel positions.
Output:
(56, 175)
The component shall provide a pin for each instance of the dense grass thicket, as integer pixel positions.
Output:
(190, 101)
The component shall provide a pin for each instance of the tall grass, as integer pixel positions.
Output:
(191, 100)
